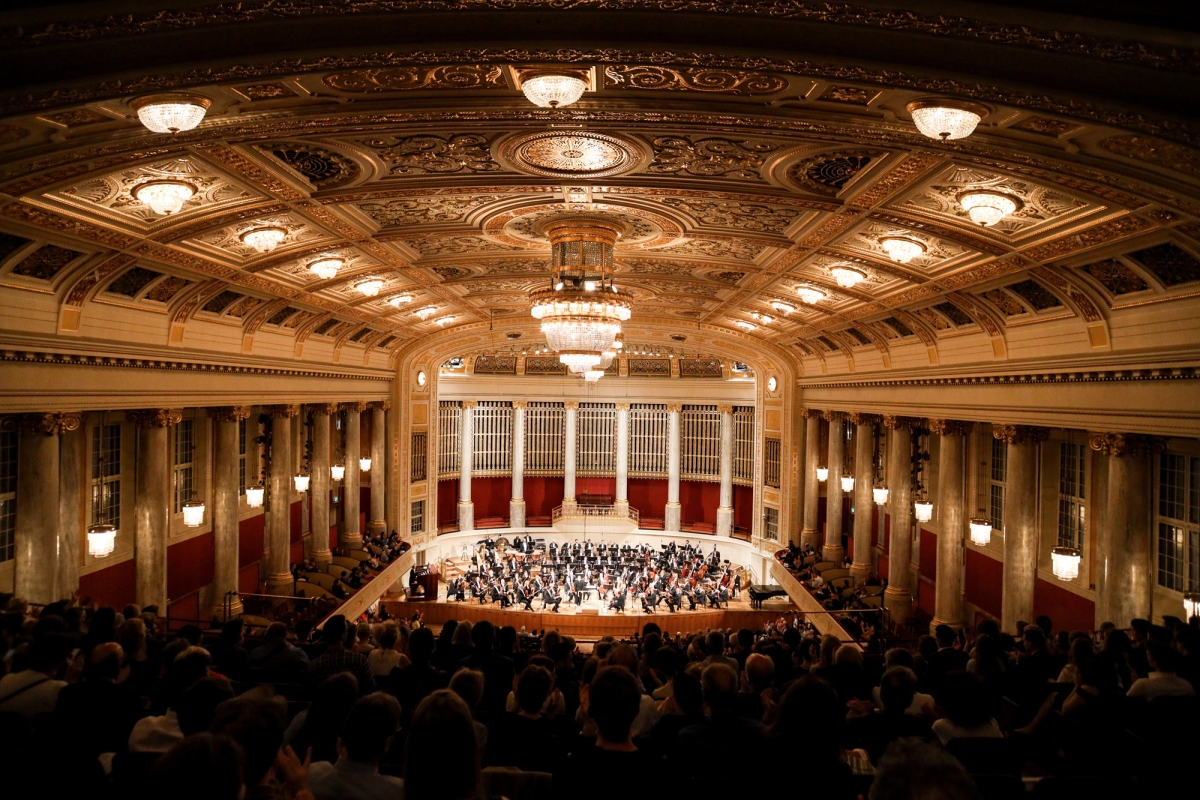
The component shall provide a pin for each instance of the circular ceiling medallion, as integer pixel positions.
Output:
(640, 229)
(575, 154)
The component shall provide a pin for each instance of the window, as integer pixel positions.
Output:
(996, 482)
(418, 517)
(770, 523)
(242, 457)
(106, 475)
(1178, 521)
(1071, 466)
(419, 458)
(184, 450)
(771, 470)
(8, 495)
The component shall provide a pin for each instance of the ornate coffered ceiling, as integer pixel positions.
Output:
(740, 179)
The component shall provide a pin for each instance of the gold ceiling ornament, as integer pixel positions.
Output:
(326, 268)
(552, 88)
(846, 276)
(902, 249)
(570, 154)
(264, 240)
(164, 197)
(945, 118)
(171, 113)
(986, 208)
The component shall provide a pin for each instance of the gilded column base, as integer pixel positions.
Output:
(860, 572)
(672, 514)
(516, 513)
(724, 521)
(280, 583)
(466, 516)
(235, 610)
(323, 557)
(810, 538)
(350, 541)
(898, 602)
(935, 622)
(377, 526)
(833, 552)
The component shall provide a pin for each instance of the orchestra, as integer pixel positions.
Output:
(618, 576)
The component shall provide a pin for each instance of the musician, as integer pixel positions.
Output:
(550, 596)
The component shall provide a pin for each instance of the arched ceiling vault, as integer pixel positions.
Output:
(753, 148)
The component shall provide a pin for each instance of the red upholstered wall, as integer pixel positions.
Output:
(1067, 610)
(925, 597)
(928, 554)
(822, 514)
(984, 581)
(250, 540)
(491, 496)
(882, 568)
(333, 537)
(743, 507)
(296, 552)
(364, 496)
(876, 513)
(189, 565)
(185, 611)
(648, 496)
(112, 586)
(699, 501)
(248, 581)
(542, 494)
(596, 485)
(447, 502)
(297, 522)
(887, 533)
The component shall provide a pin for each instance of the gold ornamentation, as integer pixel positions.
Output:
(324, 168)
(561, 154)
(700, 368)
(321, 408)
(950, 427)
(827, 173)
(904, 423)
(427, 154)
(682, 79)
(649, 368)
(45, 262)
(229, 413)
(1020, 434)
(156, 417)
(1084, 303)
(812, 413)
(710, 157)
(1044, 126)
(281, 410)
(622, 406)
(1117, 278)
(53, 424)
(401, 79)
(724, 408)
(1169, 155)
(860, 418)
(895, 180)
(758, 217)
(674, 408)
(425, 210)
(571, 405)
(835, 416)
(1125, 444)
(1119, 228)
(380, 405)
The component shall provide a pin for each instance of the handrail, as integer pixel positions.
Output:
(374, 589)
(576, 511)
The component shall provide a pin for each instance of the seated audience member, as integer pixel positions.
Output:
(967, 710)
(811, 719)
(198, 704)
(188, 636)
(613, 700)
(528, 739)
(34, 691)
(385, 658)
(277, 659)
(317, 727)
(229, 657)
(337, 658)
(497, 669)
(946, 658)
(1162, 680)
(910, 769)
(158, 734)
(415, 682)
(366, 737)
(684, 708)
(468, 685)
(441, 761)
(257, 724)
(202, 767)
(100, 711)
(922, 704)
(757, 678)
(362, 642)
(723, 736)
(875, 730)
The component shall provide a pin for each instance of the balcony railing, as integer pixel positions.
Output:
(574, 511)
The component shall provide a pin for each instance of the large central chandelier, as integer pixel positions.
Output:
(582, 310)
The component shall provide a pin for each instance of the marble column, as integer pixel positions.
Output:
(810, 536)
(952, 517)
(350, 533)
(621, 501)
(225, 517)
(321, 479)
(466, 443)
(1020, 522)
(673, 511)
(278, 550)
(725, 510)
(864, 469)
(834, 550)
(898, 596)
(152, 503)
(1125, 545)
(72, 517)
(572, 412)
(516, 506)
(379, 461)
(39, 479)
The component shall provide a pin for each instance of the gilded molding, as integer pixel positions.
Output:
(357, 406)
(380, 405)
(1082, 376)
(896, 422)
(859, 418)
(835, 416)
(229, 413)
(1019, 434)
(1126, 444)
(520, 404)
(571, 405)
(282, 410)
(51, 424)
(950, 427)
(622, 406)
(469, 404)
(155, 417)
(812, 413)
(321, 408)
(725, 408)
(674, 408)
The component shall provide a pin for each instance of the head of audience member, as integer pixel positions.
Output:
(131, 635)
(989, 627)
(369, 729)
(334, 632)
(462, 634)
(441, 758)
(964, 699)
(810, 720)
(1034, 639)
(829, 646)
(760, 672)
(231, 633)
(483, 636)
(911, 769)
(327, 712)
(468, 684)
(614, 699)
(421, 645)
(387, 635)
(202, 767)
(848, 655)
(303, 630)
(363, 632)
(1080, 653)
(1139, 630)
(105, 662)
(720, 685)
(944, 635)
(1162, 657)
(197, 705)
(625, 657)
(714, 643)
(899, 657)
(192, 634)
(533, 686)
(50, 653)
(689, 695)
(506, 641)
(989, 658)
(276, 633)
(926, 646)
(1046, 625)
(257, 724)
(897, 688)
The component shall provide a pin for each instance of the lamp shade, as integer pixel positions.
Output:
(193, 514)
(301, 481)
(923, 510)
(822, 474)
(1064, 562)
(1191, 604)
(337, 471)
(880, 495)
(981, 531)
(364, 464)
(102, 540)
(847, 483)
(254, 496)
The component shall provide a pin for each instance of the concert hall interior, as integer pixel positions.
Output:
(558, 399)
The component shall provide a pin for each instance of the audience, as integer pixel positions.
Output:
(366, 736)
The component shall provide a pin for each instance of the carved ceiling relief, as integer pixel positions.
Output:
(425, 210)
(1116, 277)
(710, 157)
(1039, 204)
(324, 168)
(722, 249)
(866, 240)
(828, 173)
(641, 228)
(457, 245)
(428, 154)
(229, 239)
(400, 79)
(693, 79)
(757, 217)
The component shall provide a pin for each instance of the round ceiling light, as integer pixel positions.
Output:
(593, 375)
(164, 197)
(326, 268)
(550, 90)
(987, 208)
(586, 360)
(810, 294)
(102, 540)
(946, 119)
(902, 249)
(264, 240)
(446, 320)
(847, 277)
(369, 287)
(746, 326)
(426, 312)
(171, 113)
(782, 307)
(400, 299)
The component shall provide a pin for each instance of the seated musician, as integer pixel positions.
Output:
(550, 597)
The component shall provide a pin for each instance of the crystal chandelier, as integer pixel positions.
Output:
(987, 208)
(847, 277)
(254, 496)
(902, 249)
(264, 240)
(1191, 604)
(193, 514)
(337, 471)
(810, 294)
(364, 464)
(946, 119)
(102, 540)
(593, 375)
(446, 320)
(746, 326)
(326, 268)
(398, 300)
(553, 90)
(582, 310)
(301, 481)
(981, 531)
(880, 495)
(782, 307)
(426, 312)
(164, 197)
(370, 287)
(765, 319)
(847, 483)
(170, 113)
(1064, 562)
(923, 509)
(822, 474)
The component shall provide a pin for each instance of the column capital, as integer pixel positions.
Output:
(53, 424)
(834, 416)
(229, 413)
(859, 418)
(1019, 434)
(466, 404)
(355, 405)
(812, 413)
(287, 410)
(950, 427)
(520, 403)
(892, 421)
(674, 408)
(1126, 444)
(155, 417)
(571, 405)
(379, 405)
(725, 408)
(622, 406)
(321, 408)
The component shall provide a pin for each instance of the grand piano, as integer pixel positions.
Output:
(764, 591)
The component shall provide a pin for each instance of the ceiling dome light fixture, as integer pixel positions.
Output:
(264, 240)
(301, 481)
(782, 307)
(400, 299)
(164, 197)
(170, 113)
(902, 249)
(446, 320)
(810, 294)
(746, 326)
(987, 208)
(593, 375)
(847, 277)
(326, 268)
(579, 360)
(553, 90)
(981, 531)
(254, 496)
(426, 312)
(102, 540)
(369, 287)
(946, 119)
(880, 495)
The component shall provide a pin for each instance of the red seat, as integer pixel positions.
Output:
(646, 523)
(491, 522)
(537, 522)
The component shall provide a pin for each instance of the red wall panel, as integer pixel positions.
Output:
(185, 611)
(1067, 610)
(699, 501)
(491, 496)
(296, 552)
(876, 513)
(250, 540)
(743, 507)
(925, 597)
(447, 502)
(984, 581)
(882, 567)
(296, 524)
(248, 579)
(333, 537)
(113, 586)
(542, 494)
(189, 565)
(364, 496)
(928, 562)
(822, 514)
(596, 485)
(887, 533)
(648, 496)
